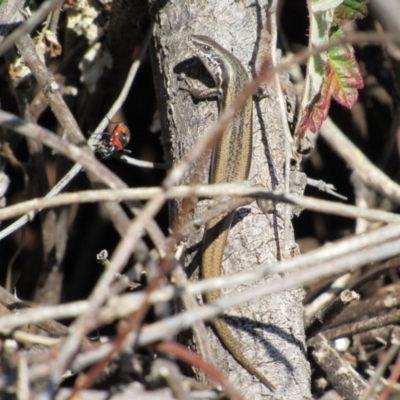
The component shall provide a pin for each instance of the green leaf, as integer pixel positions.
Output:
(351, 9)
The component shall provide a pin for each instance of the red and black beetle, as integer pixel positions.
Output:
(113, 144)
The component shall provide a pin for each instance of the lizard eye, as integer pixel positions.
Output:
(206, 47)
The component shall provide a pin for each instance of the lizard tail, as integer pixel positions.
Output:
(213, 249)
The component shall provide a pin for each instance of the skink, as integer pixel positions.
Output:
(231, 158)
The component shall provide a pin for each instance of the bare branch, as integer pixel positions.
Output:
(371, 175)
(232, 190)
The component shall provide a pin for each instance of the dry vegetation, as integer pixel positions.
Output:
(101, 264)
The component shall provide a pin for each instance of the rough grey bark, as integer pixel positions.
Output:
(270, 331)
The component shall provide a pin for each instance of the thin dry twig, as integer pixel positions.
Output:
(179, 278)
(193, 359)
(393, 379)
(232, 190)
(17, 307)
(30, 338)
(325, 298)
(371, 175)
(22, 387)
(51, 90)
(325, 187)
(345, 379)
(327, 315)
(127, 394)
(383, 364)
(362, 326)
(142, 164)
